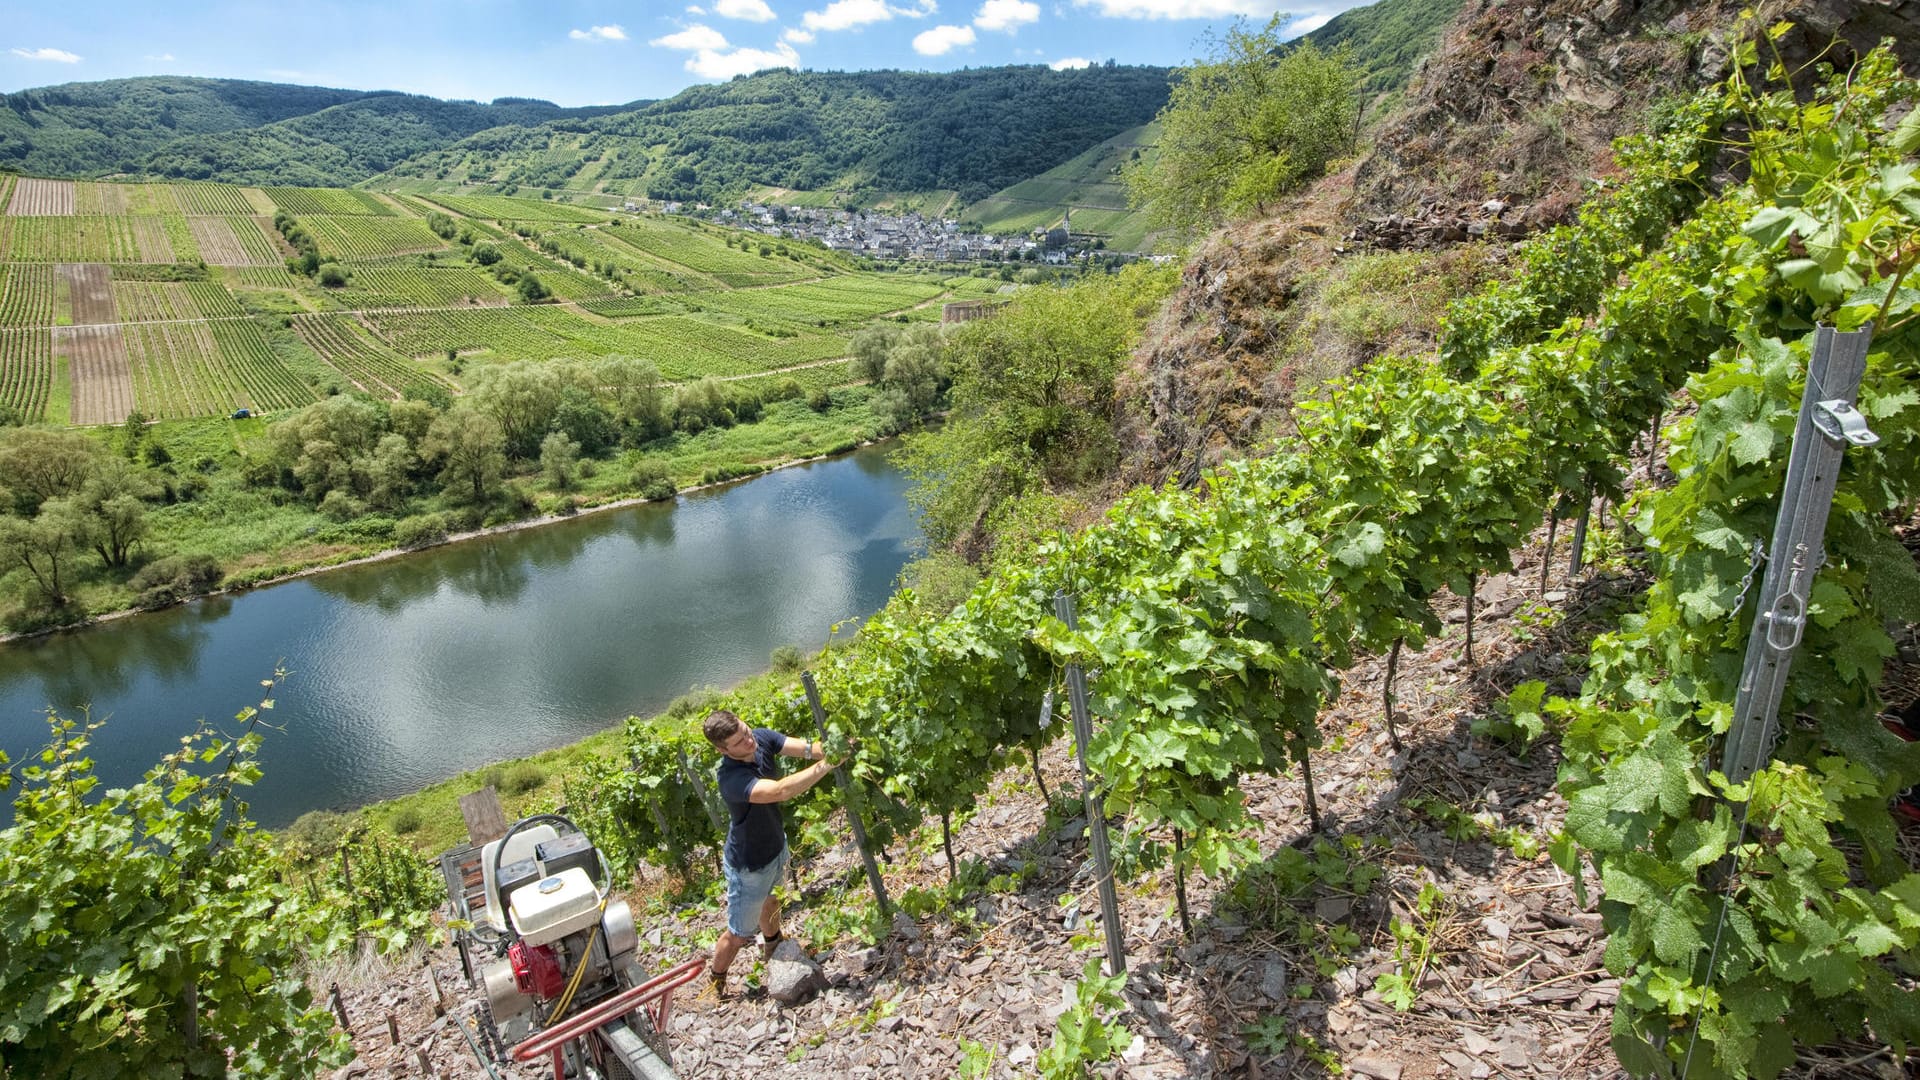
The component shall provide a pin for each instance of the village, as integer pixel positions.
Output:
(908, 237)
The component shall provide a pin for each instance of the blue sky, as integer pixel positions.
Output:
(580, 52)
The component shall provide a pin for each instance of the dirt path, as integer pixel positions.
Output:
(89, 292)
(97, 367)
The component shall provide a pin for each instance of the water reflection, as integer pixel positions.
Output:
(406, 671)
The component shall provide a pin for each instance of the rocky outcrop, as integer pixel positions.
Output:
(1503, 129)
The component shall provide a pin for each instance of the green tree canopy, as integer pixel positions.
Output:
(1246, 124)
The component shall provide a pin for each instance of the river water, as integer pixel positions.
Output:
(407, 671)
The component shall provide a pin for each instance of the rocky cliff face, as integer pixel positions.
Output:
(1503, 127)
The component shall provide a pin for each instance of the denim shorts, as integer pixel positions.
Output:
(747, 892)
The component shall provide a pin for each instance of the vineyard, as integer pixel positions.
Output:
(829, 302)
(26, 295)
(41, 198)
(235, 241)
(219, 200)
(85, 239)
(325, 202)
(146, 301)
(561, 279)
(96, 363)
(706, 252)
(434, 333)
(379, 371)
(26, 372)
(634, 269)
(685, 348)
(628, 307)
(503, 208)
(418, 286)
(187, 369)
(1216, 621)
(371, 237)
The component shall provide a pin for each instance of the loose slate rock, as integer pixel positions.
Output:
(792, 975)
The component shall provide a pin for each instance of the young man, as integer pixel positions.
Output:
(756, 853)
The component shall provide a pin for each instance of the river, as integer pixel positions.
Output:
(406, 671)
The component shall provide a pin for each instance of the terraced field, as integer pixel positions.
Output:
(346, 202)
(221, 199)
(96, 358)
(433, 333)
(837, 301)
(83, 239)
(26, 371)
(33, 197)
(348, 238)
(235, 241)
(371, 366)
(417, 286)
(504, 208)
(559, 278)
(706, 252)
(26, 295)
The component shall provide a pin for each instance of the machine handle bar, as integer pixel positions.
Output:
(618, 1005)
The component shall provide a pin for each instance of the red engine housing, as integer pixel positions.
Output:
(536, 970)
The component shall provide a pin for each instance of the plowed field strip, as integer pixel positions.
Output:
(151, 234)
(217, 243)
(89, 292)
(97, 363)
(41, 198)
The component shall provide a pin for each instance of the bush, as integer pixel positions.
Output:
(421, 530)
(720, 474)
(819, 400)
(340, 506)
(407, 821)
(788, 389)
(174, 578)
(333, 275)
(652, 480)
(523, 778)
(787, 659)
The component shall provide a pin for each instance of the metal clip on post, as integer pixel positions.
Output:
(1828, 425)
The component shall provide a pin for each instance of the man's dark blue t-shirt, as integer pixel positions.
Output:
(757, 834)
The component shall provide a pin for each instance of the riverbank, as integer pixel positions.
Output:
(260, 542)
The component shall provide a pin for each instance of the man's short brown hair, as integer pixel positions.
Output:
(720, 726)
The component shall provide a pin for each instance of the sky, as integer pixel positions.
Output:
(585, 52)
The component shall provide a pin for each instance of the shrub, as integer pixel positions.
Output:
(174, 578)
(819, 400)
(523, 778)
(421, 530)
(407, 821)
(652, 480)
(787, 659)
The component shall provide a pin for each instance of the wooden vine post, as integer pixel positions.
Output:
(851, 793)
(1096, 814)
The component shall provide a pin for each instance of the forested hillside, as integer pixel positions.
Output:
(974, 132)
(86, 129)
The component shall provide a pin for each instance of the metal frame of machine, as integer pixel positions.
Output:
(559, 970)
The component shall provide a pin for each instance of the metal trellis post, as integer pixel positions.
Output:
(1096, 815)
(1828, 425)
(852, 796)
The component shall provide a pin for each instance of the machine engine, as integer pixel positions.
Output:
(562, 942)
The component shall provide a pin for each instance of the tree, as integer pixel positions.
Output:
(44, 545)
(531, 289)
(634, 390)
(522, 397)
(37, 464)
(558, 456)
(1249, 123)
(113, 501)
(472, 449)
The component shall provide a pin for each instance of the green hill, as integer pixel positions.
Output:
(93, 128)
(1387, 40)
(861, 134)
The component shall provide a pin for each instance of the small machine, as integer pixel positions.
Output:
(562, 981)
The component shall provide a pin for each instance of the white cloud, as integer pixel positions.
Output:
(163, 58)
(1008, 15)
(1180, 9)
(797, 36)
(57, 55)
(599, 33)
(1306, 25)
(696, 10)
(942, 39)
(714, 64)
(745, 10)
(850, 14)
(1068, 63)
(695, 38)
